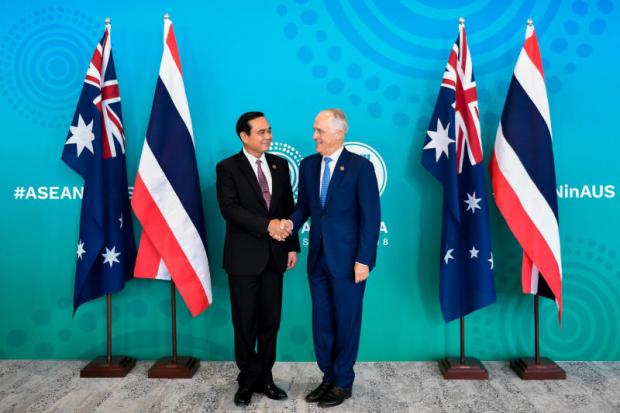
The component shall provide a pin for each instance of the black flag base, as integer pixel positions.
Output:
(117, 366)
(183, 367)
(472, 369)
(527, 369)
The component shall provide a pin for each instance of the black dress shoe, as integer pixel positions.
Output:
(335, 396)
(271, 390)
(243, 396)
(317, 394)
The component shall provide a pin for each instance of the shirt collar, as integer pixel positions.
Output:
(252, 159)
(334, 156)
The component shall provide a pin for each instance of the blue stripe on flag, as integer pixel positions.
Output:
(522, 124)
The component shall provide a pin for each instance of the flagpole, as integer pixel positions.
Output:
(174, 367)
(108, 365)
(462, 340)
(536, 332)
(537, 368)
(174, 321)
(459, 368)
(109, 332)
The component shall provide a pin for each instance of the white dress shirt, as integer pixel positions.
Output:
(266, 168)
(332, 166)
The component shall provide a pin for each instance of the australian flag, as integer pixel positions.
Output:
(95, 149)
(453, 154)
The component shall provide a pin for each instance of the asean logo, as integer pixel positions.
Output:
(373, 156)
(293, 157)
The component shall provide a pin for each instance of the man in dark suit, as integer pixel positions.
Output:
(338, 192)
(253, 191)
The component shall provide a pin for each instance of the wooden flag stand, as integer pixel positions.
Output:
(537, 368)
(174, 367)
(108, 366)
(463, 368)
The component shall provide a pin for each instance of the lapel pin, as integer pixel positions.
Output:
(342, 168)
(273, 166)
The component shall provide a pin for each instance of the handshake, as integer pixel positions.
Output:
(280, 229)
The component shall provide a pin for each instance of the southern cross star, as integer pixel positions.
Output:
(80, 250)
(473, 252)
(473, 203)
(82, 136)
(439, 140)
(110, 256)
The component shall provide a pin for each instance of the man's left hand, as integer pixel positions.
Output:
(292, 260)
(361, 272)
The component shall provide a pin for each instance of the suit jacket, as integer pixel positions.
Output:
(248, 245)
(348, 224)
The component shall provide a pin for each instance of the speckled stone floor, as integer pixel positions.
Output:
(55, 386)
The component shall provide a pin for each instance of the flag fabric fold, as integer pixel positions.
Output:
(453, 155)
(167, 197)
(523, 175)
(95, 149)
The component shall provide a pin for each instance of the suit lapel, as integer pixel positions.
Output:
(316, 185)
(276, 179)
(339, 171)
(246, 170)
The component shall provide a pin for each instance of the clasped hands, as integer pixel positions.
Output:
(280, 229)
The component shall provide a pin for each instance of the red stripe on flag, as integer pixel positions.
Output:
(97, 62)
(533, 51)
(147, 260)
(171, 41)
(526, 232)
(105, 144)
(110, 91)
(92, 79)
(156, 228)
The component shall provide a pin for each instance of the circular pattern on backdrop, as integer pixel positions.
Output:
(44, 58)
(87, 322)
(384, 34)
(16, 338)
(589, 301)
(293, 157)
(41, 317)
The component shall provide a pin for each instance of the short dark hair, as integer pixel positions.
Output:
(243, 123)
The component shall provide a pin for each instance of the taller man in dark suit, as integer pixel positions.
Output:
(338, 192)
(253, 191)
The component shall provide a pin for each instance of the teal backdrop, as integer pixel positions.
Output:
(380, 61)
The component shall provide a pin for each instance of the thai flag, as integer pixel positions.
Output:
(453, 154)
(523, 175)
(166, 197)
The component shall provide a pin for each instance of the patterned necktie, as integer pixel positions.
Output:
(325, 182)
(264, 186)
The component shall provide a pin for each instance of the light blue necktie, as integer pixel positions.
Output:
(325, 182)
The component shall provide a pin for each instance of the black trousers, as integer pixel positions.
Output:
(256, 305)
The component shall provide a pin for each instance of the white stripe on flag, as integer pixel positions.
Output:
(162, 272)
(534, 279)
(532, 81)
(534, 203)
(176, 217)
(173, 81)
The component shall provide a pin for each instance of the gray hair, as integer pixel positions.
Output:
(339, 119)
